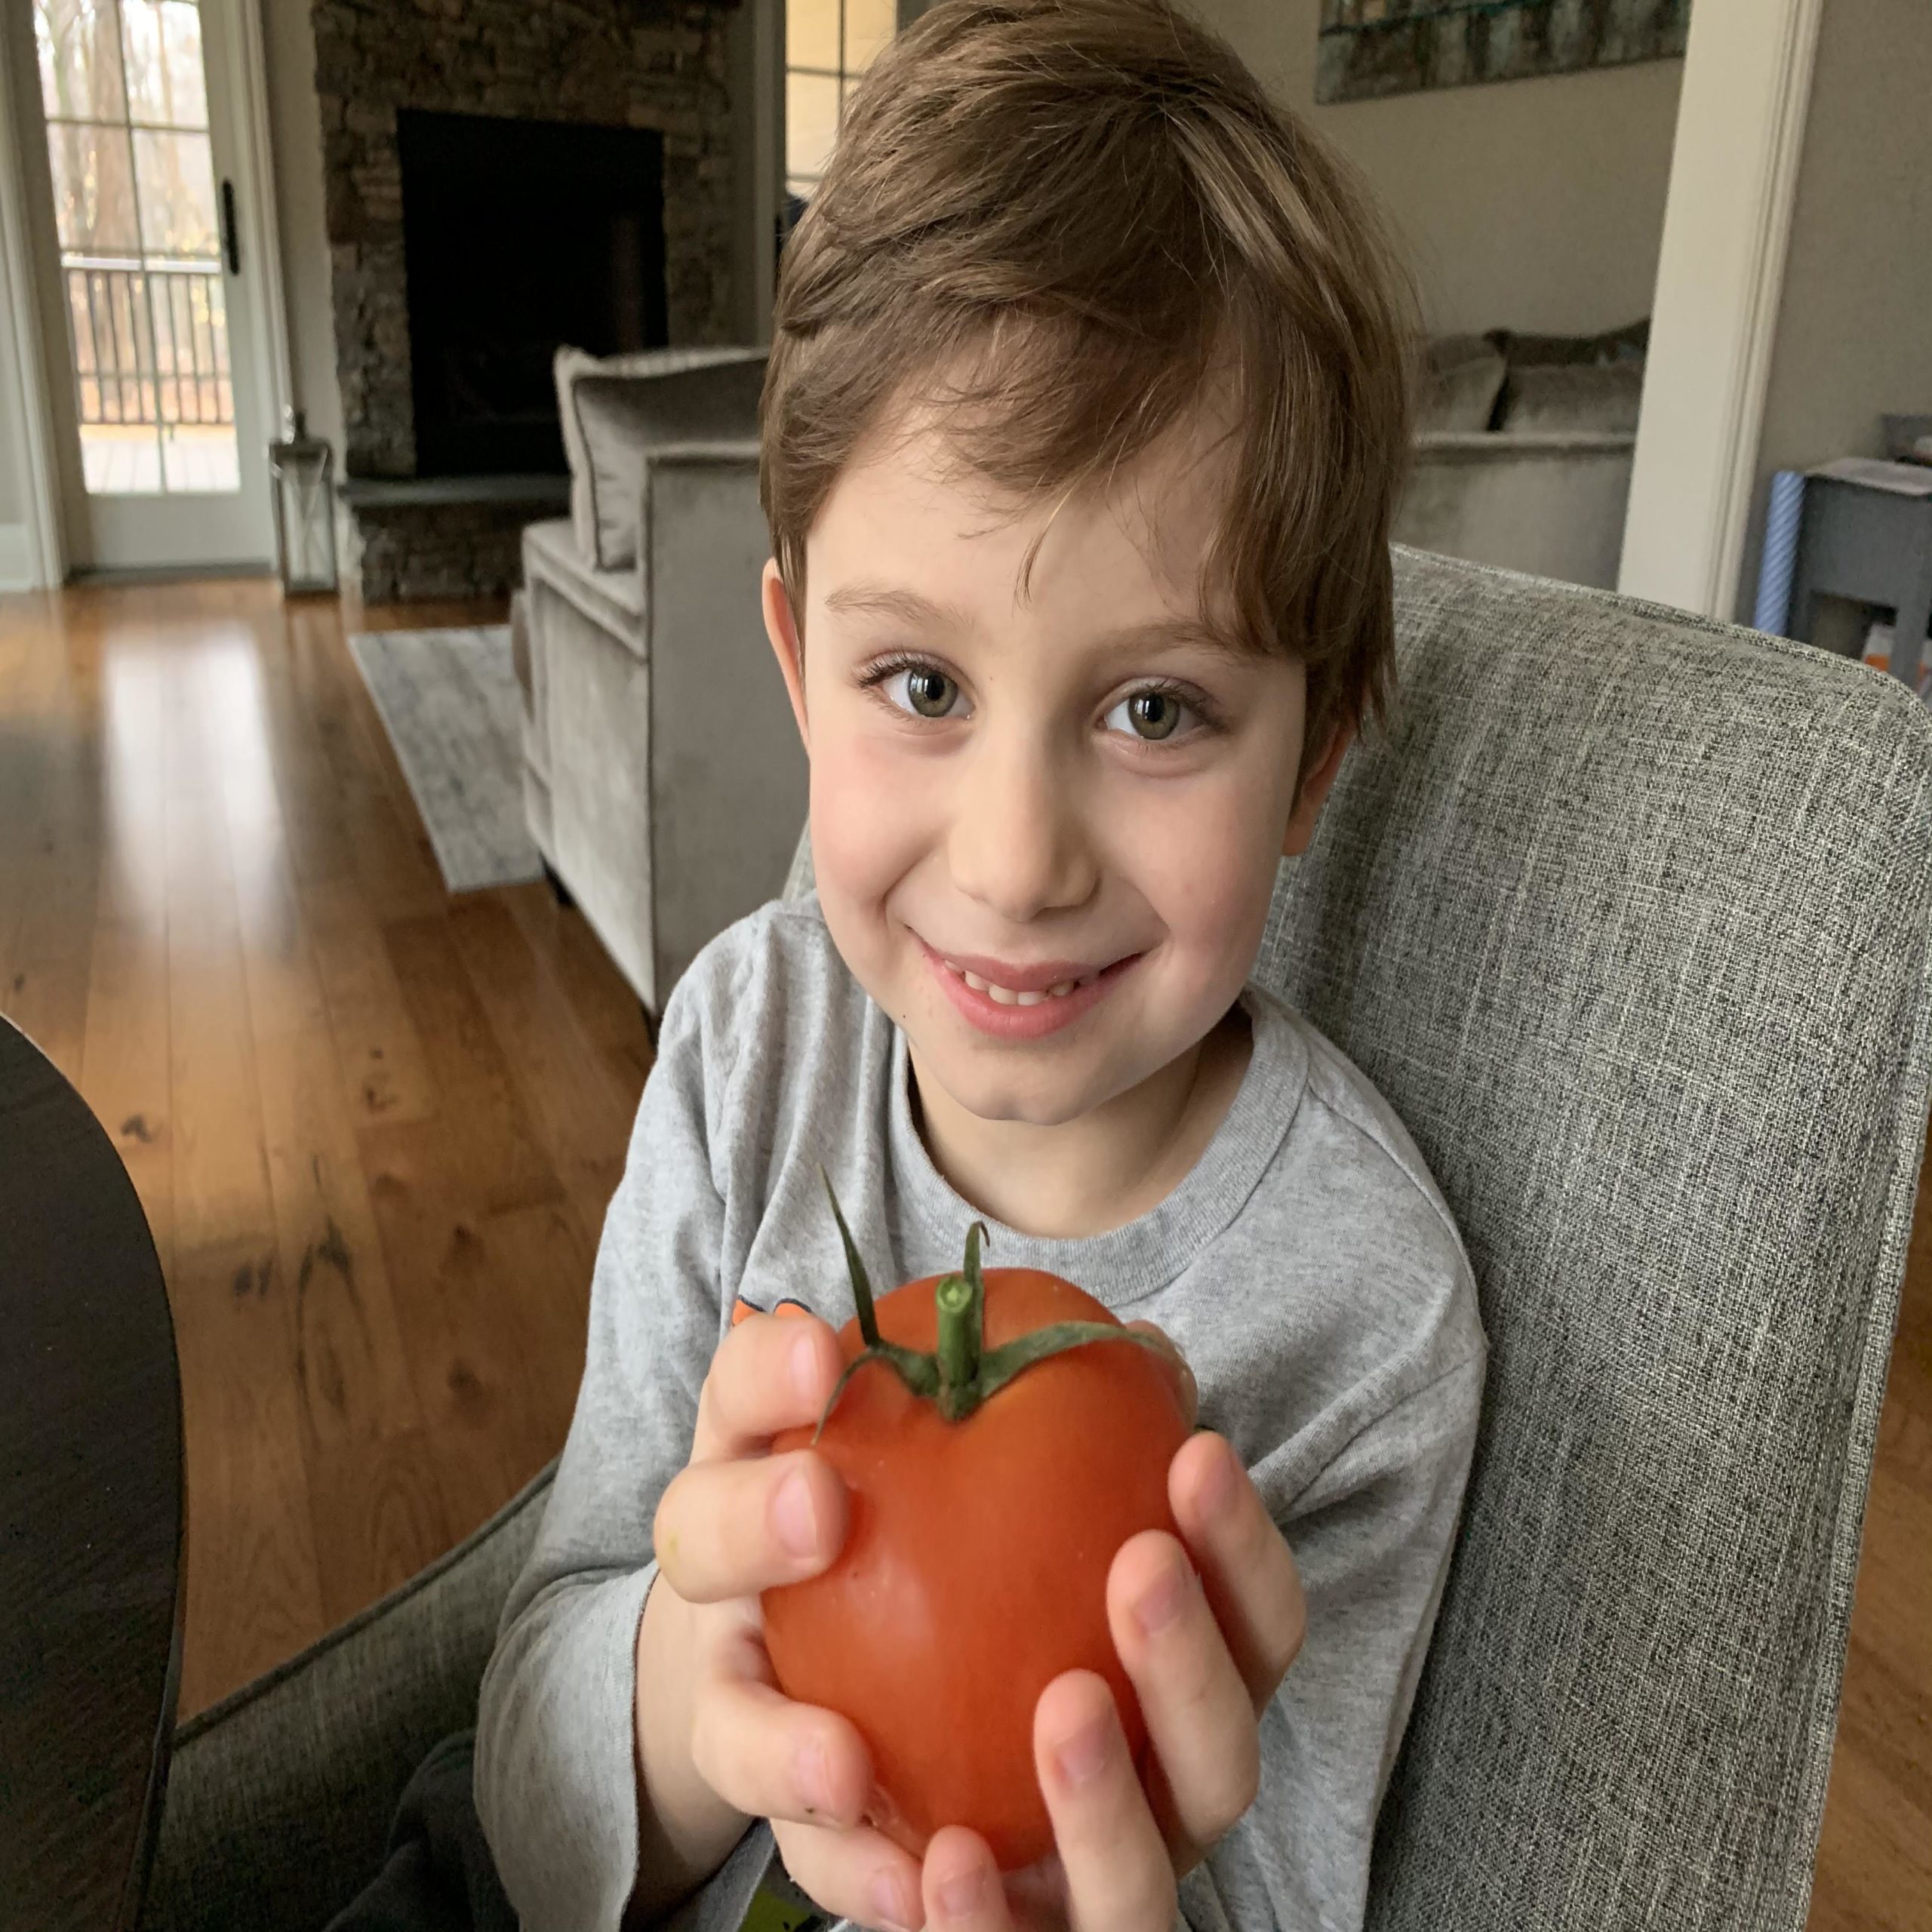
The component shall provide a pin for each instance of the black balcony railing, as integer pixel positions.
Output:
(150, 345)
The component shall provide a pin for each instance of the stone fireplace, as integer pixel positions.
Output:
(566, 170)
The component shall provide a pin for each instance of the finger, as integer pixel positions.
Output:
(961, 1885)
(1247, 1570)
(1119, 1878)
(860, 1875)
(1200, 1717)
(1185, 1385)
(731, 1529)
(769, 1373)
(765, 1756)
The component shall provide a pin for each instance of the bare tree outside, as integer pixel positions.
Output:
(123, 90)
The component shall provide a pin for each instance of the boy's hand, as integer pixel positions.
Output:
(718, 1743)
(1203, 1675)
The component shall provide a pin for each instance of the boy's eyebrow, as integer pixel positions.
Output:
(864, 598)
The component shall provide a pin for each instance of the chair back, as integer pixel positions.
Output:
(1627, 917)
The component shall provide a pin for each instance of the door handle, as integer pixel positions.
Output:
(231, 245)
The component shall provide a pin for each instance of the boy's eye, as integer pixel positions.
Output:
(924, 691)
(1149, 714)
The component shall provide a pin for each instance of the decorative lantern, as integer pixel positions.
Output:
(300, 467)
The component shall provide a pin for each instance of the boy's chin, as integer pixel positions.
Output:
(1038, 1096)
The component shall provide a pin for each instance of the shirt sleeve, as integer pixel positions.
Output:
(1372, 1537)
(555, 1768)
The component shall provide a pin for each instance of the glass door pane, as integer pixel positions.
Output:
(125, 92)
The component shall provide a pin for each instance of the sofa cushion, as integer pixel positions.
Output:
(618, 417)
(1572, 396)
(568, 364)
(1465, 378)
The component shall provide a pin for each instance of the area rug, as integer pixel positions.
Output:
(450, 701)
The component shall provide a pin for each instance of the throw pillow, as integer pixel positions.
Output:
(1466, 376)
(618, 417)
(568, 366)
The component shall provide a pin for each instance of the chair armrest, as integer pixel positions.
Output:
(279, 1798)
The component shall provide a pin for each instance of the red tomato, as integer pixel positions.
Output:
(975, 1566)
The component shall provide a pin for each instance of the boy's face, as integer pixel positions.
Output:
(1045, 833)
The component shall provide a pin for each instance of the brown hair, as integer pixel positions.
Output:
(1092, 207)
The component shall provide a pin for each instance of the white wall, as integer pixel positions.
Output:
(19, 565)
(295, 136)
(1854, 326)
(1531, 205)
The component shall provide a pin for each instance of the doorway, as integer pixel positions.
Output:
(152, 305)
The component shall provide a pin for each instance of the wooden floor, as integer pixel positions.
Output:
(375, 1129)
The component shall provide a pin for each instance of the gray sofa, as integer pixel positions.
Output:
(1524, 452)
(663, 776)
(1666, 1045)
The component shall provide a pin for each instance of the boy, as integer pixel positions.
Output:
(1086, 412)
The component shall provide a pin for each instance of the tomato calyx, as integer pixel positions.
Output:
(960, 1373)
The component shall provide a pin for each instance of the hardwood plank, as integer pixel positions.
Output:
(487, 1414)
(384, 1070)
(599, 993)
(252, 1595)
(482, 1114)
(575, 1099)
(360, 1422)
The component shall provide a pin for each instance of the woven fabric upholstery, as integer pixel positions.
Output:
(1627, 917)
(280, 1798)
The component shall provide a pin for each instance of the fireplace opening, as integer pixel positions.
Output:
(518, 236)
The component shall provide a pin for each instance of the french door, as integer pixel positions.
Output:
(153, 317)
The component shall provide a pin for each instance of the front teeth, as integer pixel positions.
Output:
(1005, 996)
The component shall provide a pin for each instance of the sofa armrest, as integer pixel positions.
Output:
(728, 775)
(279, 1798)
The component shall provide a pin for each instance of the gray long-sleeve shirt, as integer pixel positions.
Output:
(1307, 1266)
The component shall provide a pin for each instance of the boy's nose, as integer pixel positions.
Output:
(1019, 841)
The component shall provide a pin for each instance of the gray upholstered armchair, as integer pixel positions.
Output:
(1628, 917)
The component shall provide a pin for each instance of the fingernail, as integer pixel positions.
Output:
(961, 1894)
(1160, 1604)
(1217, 1484)
(804, 1368)
(1084, 1755)
(793, 1515)
(889, 1902)
(815, 1777)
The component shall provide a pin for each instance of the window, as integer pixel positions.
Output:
(126, 102)
(828, 44)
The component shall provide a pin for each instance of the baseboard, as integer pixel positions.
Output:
(169, 573)
(19, 570)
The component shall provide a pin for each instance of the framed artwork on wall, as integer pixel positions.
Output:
(1369, 48)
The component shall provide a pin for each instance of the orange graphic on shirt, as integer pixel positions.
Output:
(741, 1308)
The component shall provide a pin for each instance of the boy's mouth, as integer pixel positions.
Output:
(1023, 1002)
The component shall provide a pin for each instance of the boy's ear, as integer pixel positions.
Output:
(784, 635)
(1315, 792)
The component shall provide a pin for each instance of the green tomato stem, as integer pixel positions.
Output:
(960, 1372)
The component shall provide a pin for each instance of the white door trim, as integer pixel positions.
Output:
(46, 538)
(260, 225)
(261, 231)
(1733, 179)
